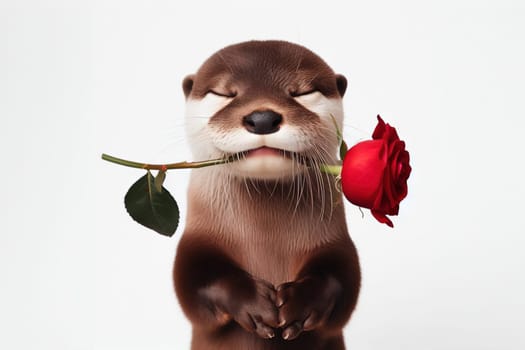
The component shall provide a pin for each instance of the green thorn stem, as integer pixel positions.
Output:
(331, 169)
(179, 165)
(325, 168)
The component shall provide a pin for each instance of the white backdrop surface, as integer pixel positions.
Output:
(78, 78)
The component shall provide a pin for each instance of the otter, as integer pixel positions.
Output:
(265, 261)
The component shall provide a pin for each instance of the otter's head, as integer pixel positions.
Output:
(269, 103)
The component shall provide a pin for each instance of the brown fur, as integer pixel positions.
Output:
(261, 258)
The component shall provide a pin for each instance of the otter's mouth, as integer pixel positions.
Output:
(266, 151)
(267, 163)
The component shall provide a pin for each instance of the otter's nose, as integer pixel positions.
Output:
(262, 122)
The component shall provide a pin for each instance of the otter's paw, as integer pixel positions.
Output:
(306, 304)
(259, 314)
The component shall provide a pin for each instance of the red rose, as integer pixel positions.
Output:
(375, 173)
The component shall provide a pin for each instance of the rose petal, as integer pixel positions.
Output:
(397, 150)
(382, 218)
(362, 175)
(390, 134)
(396, 165)
(386, 197)
(407, 169)
(380, 129)
(384, 132)
(376, 177)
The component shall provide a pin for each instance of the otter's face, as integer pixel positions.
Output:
(268, 103)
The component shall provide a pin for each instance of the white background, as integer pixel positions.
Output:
(78, 78)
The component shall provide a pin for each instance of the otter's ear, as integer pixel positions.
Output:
(341, 84)
(187, 84)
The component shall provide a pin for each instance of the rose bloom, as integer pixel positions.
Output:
(375, 172)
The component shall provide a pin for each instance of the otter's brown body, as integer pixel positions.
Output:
(266, 263)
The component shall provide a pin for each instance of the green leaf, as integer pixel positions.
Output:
(343, 148)
(152, 206)
(159, 180)
(337, 130)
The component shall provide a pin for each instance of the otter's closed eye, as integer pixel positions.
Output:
(222, 94)
(303, 93)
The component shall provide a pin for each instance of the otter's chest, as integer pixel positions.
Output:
(275, 251)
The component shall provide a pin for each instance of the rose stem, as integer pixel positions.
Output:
(179, 165)
(325, 168)
(331, 169)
